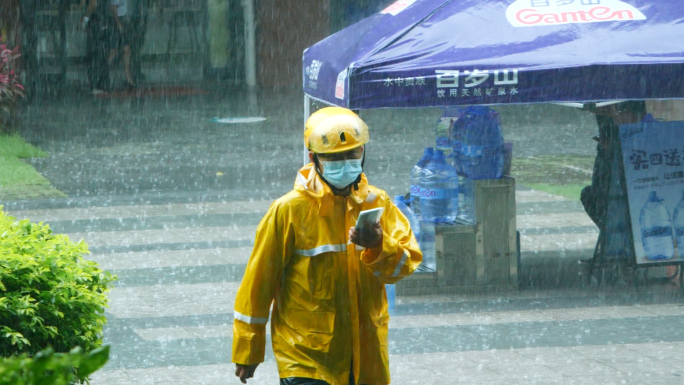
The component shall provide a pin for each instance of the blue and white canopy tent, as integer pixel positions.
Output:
(424, 53)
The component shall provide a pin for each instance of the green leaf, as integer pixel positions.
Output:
(93, 361)
(42, 361)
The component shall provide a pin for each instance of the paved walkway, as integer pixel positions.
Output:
(180, 264)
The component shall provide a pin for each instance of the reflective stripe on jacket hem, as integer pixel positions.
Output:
(321, 249)
(249, 320)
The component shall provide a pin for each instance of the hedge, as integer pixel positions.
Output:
(49, 295)
(50, 368)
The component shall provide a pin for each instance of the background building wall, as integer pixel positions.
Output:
(344, 13)
(284, 29)
(9, 21)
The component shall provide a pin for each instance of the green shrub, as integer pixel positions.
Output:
(49, 295)
(48, 367)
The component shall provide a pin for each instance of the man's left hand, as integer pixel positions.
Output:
(369, 236)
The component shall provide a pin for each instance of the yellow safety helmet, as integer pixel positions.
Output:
(335, 129)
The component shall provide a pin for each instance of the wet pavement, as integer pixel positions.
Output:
(169, 201)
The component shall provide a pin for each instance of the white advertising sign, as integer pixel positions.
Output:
(654, 175)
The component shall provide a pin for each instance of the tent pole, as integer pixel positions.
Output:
(250, 43)
(307, 113)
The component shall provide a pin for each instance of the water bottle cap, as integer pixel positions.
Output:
(399, 198)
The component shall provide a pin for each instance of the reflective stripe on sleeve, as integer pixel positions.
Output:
(301, 180)
(321, 249)
(401, 264)
(249, 320)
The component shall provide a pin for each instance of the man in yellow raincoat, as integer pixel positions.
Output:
(324, 278)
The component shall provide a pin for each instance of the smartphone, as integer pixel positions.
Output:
(372, 216)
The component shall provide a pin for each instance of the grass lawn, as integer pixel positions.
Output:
(18, 180)
(556, 174)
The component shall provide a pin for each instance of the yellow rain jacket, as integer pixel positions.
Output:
(328, 295)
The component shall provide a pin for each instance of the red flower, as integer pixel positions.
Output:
(10, 87)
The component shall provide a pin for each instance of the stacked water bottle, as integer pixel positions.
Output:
(657, 234)
(434, 199)
(477, 143)
(425, 233)
(442, 186)
(477, 152)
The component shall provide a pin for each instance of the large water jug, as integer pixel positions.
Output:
(456, 137)
(656, 229)
(400, 202)
(442, 137)
(678, 222)
(438, 191)
(483, 145)
(427, 247)
(416, 171)
(466, 204)
(454, 161)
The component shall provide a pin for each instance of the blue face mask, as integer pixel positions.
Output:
(341, 173)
